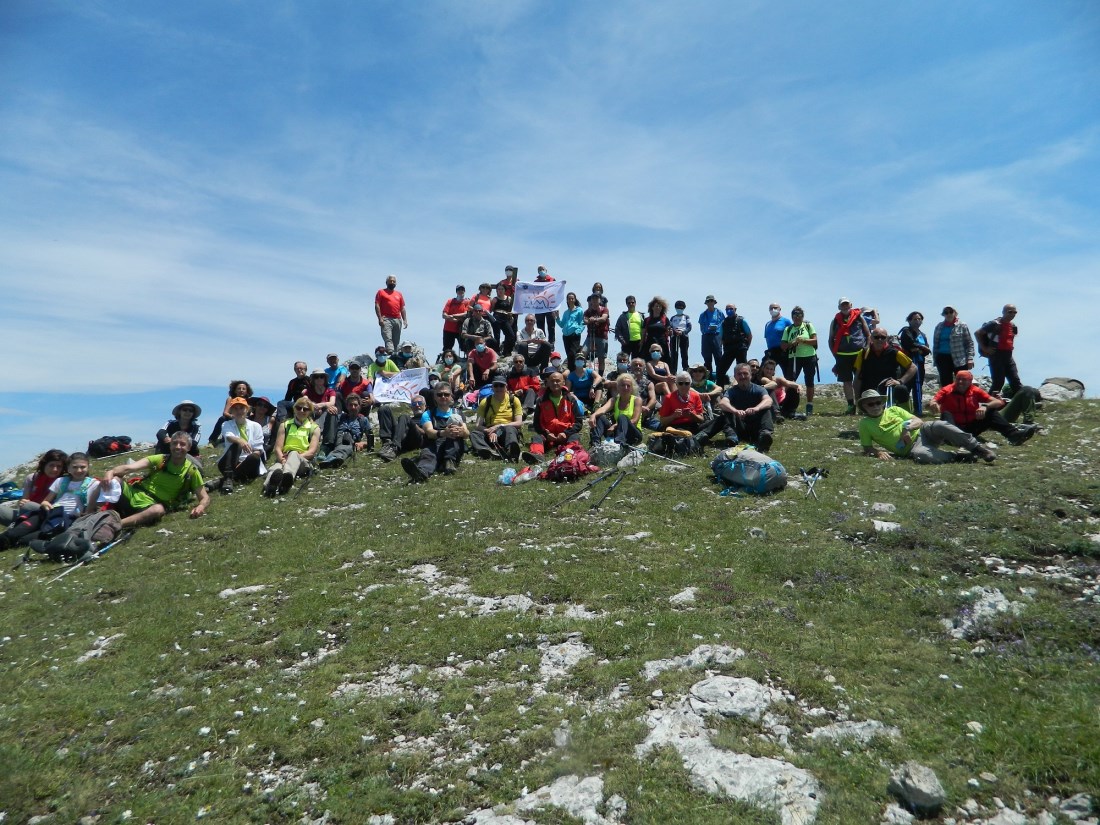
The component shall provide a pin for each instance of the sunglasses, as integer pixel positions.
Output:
(880, 337)
(302, 409)
(873, 403)
(683, 383)
(442, 395)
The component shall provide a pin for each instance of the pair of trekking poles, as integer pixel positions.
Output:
(604, 476)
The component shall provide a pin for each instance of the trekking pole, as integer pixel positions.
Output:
(305, 482)
(588, 485)
(596, 504)
(97, 554)
(646, 451)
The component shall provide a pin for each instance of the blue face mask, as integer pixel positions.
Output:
(731, 312)
(580, 362)
(448, 360)
(381, 359)
(481, 348)
(623, 366)
(656, 356)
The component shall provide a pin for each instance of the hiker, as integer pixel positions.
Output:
(326, 406)
(545, 319)
(889, 432)
(353, 433)
(183, 420)
(450, 372)
(571, 321)
(557, 418)
(646, 391)
(389, 308)
(800, 345)
(170, 480)
(710, 330)
(454, 313)
(583, 382)
(877, 367)
(997, 342)
(35, 486)
(659, 372)
(67, 497)
(682, 409)
(708, 390)
(785, 394)
(297, 442)
(445, 436)
(973, 410)
(914, 343)
(629, 328)
(619, 418)
(244, 455)
(238, 388)
(263, 413)
(745, 412)
(496, 433)
(381, 365)
(597, 289)
(598, 324)
(356, 382)
(532, 344)
(402, 433)
(679, 328)
(736, 340)
(848, 335)
(952, 347)
(524, 383)
(295, 389)
(502, 310)
(657, 327)
(335, 371)
(480, 364)
(773, 338)
(476, 325)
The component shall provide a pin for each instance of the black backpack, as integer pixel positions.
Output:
(83, 537)
(109, 445)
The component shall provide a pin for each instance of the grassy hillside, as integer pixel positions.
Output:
(422, 652)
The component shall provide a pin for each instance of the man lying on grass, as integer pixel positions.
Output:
(886, 432)
(170, 481)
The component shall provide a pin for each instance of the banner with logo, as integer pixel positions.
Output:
(402, 387)
(539, 296)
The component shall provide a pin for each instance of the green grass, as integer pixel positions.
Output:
(207, 704)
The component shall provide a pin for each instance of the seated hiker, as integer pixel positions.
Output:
(886, 432)
(709, 391)
(682, 410)
(524, 383)
(402, 433)
(620, 417)
(480, 364)
(67, 497)
(183, 420)
(647, 392)
(335, 371)
(237, 389)
(445, 436)
(170, 481)
(243, 458)
(785, 394)
(297, 442)
(263, 413)
(35, 486)
(451, 372)
(295, 389)
(382, 365)
(746, 412)
(659, 372)
(356, 382)
(326, 406)
(499, 419)
(973, 410)
(877, 366)
(1022, 404)
(476, 325)
(557, 417)
(531, 343)
(353, 433)
(582, 381)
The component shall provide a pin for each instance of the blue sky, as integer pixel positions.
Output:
(204, 190)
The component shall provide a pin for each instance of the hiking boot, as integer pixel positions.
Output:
(764, 441)
(851, 409)
(227, 487)
(274, 482)
(213, 484)
(513, 452)
(449, 466)
(529, 458)
(985, 454)
(809, 410)
(416, 475)
(965, 458)
(1022, 434)
(388, 452)
(285, 483)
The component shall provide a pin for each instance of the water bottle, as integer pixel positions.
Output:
(508, 476)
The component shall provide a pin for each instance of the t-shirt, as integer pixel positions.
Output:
(747, 398)
(886, 430)
(69, 495)
(336, 375)
(165, 483)
(581, 385)
(504, 413)
(454, 307)
(673, 402)
(390, 304)
(373, 368)
(482, 361)
(600, 322)
(773, 331)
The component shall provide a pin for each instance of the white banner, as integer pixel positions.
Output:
(401, 387)
(541, 296)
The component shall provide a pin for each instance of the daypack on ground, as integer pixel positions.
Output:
(749, 471)
(570, 464)
(109, 445)
(83, 537)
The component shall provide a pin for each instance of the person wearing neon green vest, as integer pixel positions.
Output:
(619, 418)
(295, 446)
(629, 328)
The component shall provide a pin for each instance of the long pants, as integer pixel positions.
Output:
(506, 332)
(398, 430)
(435, 453)
(391, 334)
(545, 322)
(537, 353)
(678, 349)
(1023, 404)
(626, 433)
(295, 465)
(782, 360)
(712, 352)
(507, 444)
(917, 387)
(572, 344)
(932, 435)
(945, 368)
(232, 467)
(729, 356)
(1002, 367)
(994, 420)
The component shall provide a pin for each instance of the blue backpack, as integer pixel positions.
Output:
(748, 471)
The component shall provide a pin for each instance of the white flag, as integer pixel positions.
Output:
(541, 296)
(402, 387)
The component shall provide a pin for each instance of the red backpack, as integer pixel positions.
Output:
(569, 464)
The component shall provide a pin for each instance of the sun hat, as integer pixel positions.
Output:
(176, 409)
(870, 395)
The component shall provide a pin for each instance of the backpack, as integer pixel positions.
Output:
(109, 445)
(571, 463)
(750, 471)
(84, 537)
(606, 454)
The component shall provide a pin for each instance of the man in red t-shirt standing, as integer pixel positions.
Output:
(389, 306)
(997, 342)
(974, 411)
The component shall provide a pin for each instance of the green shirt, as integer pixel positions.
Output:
(803, 330)
(886, 431)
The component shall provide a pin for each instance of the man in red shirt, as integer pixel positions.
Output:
(389, 306)
(682, 411)
(997, 342)
(357, 383)
(973, 410)
(454, 313)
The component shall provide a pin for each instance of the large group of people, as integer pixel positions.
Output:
(500, 388)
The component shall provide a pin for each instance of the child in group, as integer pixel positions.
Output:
(50, 466)
(69, 496)
(184, 420)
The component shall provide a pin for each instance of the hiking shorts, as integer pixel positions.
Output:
(845, 366)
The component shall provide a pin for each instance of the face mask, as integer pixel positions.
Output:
(448, 361)
(432, 382)
(656, 356)
(775, 313)
(580, 362)
(381, 359)
(556, 362)
(481, 348)
(460, 295)
(623, 366)
(731, 312)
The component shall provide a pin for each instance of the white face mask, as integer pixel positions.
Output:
(775, 313)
